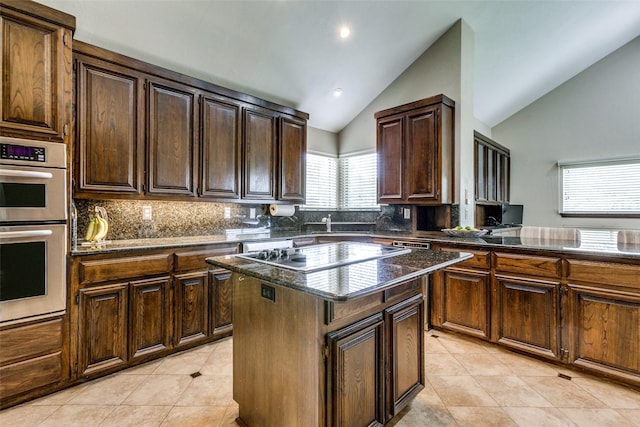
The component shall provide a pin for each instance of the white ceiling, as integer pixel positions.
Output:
(288, 51)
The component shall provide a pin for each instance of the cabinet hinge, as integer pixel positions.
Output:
(65, 130)
(65, 40)
(77, 298)
(325, 352)
(564, 354)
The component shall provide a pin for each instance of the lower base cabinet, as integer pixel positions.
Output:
(529, 315)
(221, 291)
(191, 308)
(149, 317)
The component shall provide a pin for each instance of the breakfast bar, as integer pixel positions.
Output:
(340, 344)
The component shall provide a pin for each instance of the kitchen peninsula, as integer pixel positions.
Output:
(341, 345)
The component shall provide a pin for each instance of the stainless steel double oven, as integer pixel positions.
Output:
(33, 229)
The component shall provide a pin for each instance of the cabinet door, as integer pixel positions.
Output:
(149, 317)
(220, 140)
(259, 154)
(405, 371)
(293, 151)
(422, 165)
(110, 138)
(460, 301)
(33, 76)
(190, 293)
(171, 138)
(605, 331)
(355, 383)
(481, 171)
(529, 315)
(221, 301)
(102, 326)
(390, 149)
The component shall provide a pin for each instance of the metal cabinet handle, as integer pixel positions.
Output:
(25, 174)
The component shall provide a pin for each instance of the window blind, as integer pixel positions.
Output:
(322, 183)
(358, 190)
(604, 187)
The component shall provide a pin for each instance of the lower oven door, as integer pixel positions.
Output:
(32, 271)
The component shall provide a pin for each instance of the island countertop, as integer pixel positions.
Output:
(348, 281)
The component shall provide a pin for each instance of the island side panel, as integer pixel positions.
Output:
(277, 355)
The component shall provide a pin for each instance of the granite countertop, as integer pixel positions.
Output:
(347, 281)
(586, 247)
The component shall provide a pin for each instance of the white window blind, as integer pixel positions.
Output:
(322, 183)
(348, 183)
(358, 189)
(604, 187)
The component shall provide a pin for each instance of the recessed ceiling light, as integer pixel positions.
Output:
(337, 92)
(344, 32)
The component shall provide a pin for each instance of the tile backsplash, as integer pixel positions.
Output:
(179, 219)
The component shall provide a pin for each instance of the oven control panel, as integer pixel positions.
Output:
(22, 152)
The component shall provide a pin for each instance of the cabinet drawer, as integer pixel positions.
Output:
(28, 341)
(124, 268)
(195, 260)
(481, 259)
(30, 374)
(604, 272)
(527, 264)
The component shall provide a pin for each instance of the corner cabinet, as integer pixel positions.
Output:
(492, 170)
(415, 144)
(36, 93)
(146, 132)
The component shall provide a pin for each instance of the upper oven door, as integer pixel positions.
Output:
(30, 193)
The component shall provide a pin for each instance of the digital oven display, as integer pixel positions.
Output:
(22, 152)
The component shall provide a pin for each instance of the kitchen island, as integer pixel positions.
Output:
(336, 346)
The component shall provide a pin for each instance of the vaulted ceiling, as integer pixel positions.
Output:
(289, 51)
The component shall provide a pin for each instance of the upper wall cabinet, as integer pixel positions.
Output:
(492, 171)
(36, 92)
(415, 152)
(171, 137)
(146, 132)
(110, 137)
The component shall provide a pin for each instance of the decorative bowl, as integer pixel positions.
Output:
(464, 233)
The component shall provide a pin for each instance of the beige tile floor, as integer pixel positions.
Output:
(469, 383)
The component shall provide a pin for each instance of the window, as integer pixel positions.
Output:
(348, 183)
(601, 188)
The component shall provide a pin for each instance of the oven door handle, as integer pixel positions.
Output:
(25, 174)
(22, 234)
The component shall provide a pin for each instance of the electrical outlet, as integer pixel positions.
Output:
(407, 213)
(146, 213)
(227, 212)
(252, 213)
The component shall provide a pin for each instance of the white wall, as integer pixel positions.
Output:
(595, 115)
(445, 68)
(322, 141)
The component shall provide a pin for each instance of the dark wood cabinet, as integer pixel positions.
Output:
(221, 302)
(492, 171)
(355, 381)
(221, 147)
(529, 315)
(171, 137)
(110, 136)
(292, 160)
(149, 317)
(405, 355)
(147, 132)
(191, 308)
(36, 92)
(259, 154)
(603, 310)
(102, 328)
(415, 144)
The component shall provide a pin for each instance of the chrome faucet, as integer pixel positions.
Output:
(327, 220)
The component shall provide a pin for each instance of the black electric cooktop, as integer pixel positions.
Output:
(320, 257)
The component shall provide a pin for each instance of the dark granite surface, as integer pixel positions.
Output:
(491, 242)
(348, 281)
